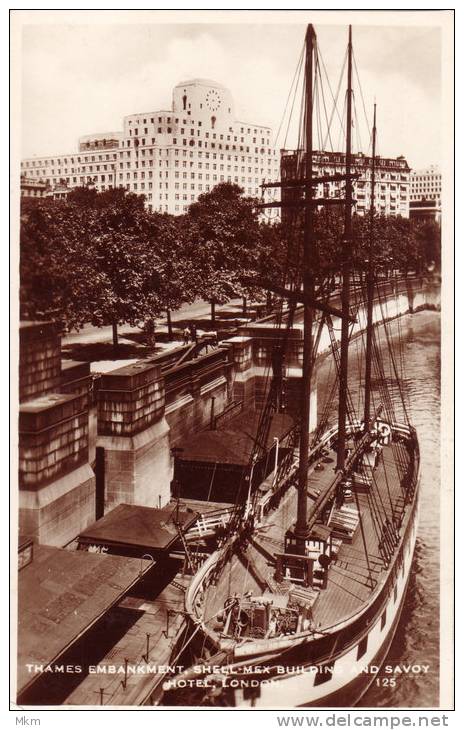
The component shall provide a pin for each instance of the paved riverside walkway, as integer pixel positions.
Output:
(111, 687)
(200, 309)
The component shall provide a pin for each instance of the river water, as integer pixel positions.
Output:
(417, 637)
(418, 365)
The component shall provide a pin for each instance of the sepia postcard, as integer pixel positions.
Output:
(232, 317)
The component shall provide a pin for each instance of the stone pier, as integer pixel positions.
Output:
(241, 356)
(133, 437)
(56, 483)
(196, 391)
(39, 359)
(264, 337)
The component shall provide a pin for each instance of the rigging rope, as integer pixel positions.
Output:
(295, 78)
(369, 129)
(335, 99)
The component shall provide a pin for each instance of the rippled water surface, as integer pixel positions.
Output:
(418, 367)
(417, 637)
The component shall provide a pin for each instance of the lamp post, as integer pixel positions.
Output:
(124, 681)
(276, 460)
(146, 657)
(175, 484)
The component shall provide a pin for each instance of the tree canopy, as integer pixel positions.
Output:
(225, 242)
(99, 258)
(103, 258)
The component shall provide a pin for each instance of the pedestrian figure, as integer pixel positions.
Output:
(193, 332)
(149, 330)
(186, 335)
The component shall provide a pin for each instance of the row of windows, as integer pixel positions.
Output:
(192, 154)
(67, 160)
(51, 162)
(135, 163)
(436, 176)
(341, 170)
(182, 133)
(384, 208)
(151, 152)
(137, 186)
(168, 120)
(159, 153)
(143, 142)
(193, 176)
(193, 186)
(191, 166)
(358, 160)
(32, 193)
(422, 197)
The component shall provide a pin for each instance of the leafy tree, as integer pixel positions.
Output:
(99, 258)
(224, 238)
(54, 265)
(171, 257)
(272, 258)
(398, 243)
(428, 236)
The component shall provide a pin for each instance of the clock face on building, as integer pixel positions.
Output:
(213, 100)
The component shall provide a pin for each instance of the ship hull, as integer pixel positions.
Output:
(331, 668)
(351, 677)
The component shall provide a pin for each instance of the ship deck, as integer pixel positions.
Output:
(351, 577)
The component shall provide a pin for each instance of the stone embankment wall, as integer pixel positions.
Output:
(56, 482)
(392, 299)
(146, 410)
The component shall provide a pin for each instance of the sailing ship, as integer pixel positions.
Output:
(299, 602)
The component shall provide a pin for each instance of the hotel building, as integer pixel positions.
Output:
(391, 179)
(425, 202)
(33, 188)
(171, 156)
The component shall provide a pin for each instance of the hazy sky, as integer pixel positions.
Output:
(79, 79)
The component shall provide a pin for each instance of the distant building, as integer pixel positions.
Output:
(60, 191)
(33, 188)
(425, 199)
(391, 179)
(171, 156)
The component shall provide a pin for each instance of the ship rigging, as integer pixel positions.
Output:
(311, 571)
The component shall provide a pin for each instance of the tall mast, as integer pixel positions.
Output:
(345, 271)
(301, 527)
(370, 286)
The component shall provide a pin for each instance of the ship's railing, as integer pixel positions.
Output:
(208, 523)
(353, 427)
(346, 633)
(365, 613)
(195, 592)
(358, 623)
